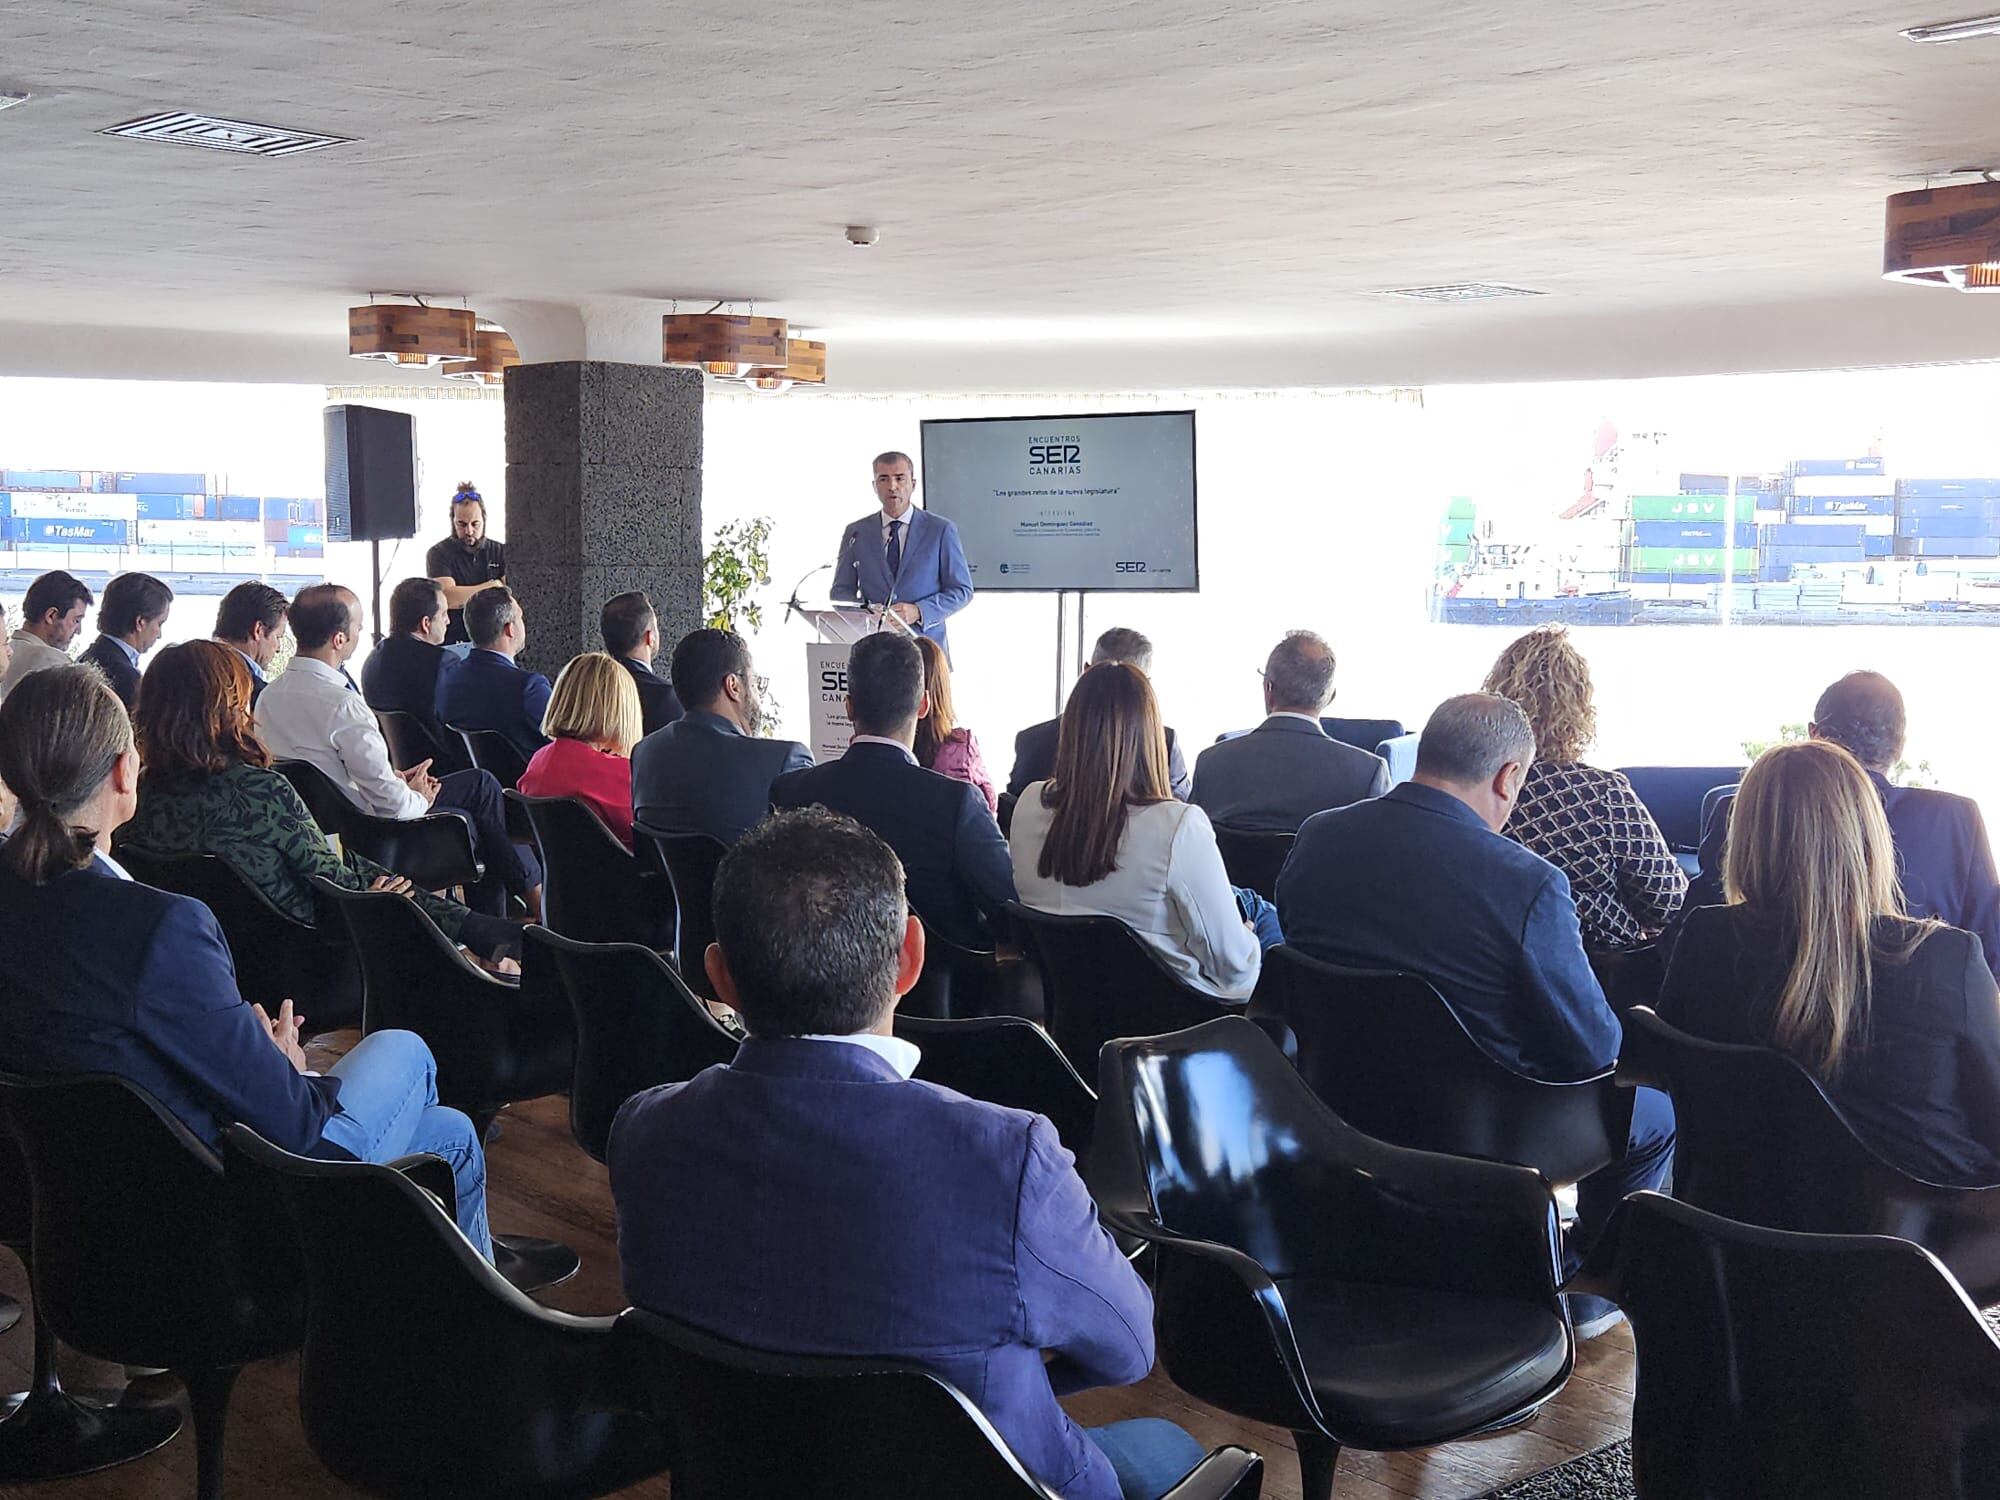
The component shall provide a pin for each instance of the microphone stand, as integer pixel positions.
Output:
(793, 605)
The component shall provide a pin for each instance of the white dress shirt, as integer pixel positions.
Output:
(901, 1055)
(309, 713)
(881, 739)
(31, 654)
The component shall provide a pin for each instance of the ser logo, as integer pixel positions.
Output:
(833, 680)
(1055, 453)
(1131, 567)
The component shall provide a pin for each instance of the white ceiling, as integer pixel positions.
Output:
(1100, 193)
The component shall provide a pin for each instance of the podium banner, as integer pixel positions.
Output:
(826, 694)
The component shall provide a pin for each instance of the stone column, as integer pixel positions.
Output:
(603, 495)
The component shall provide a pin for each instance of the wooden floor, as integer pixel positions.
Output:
(541, 1184)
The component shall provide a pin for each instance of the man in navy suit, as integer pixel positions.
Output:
(486, 690)
(1287, 768)
(1035, 746)
(845, 1209)
(631, 630)
(708, 772)
(959, 870)
(1942, 852)
(401, 673)
(1421, 881)
(130, 619)
(904, 559)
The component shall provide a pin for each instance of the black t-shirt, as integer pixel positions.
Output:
(480, 563)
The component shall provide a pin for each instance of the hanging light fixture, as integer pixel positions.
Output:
(725, 345)
(1946, 236)
(410, 332)
(493, 355)
(805, 364)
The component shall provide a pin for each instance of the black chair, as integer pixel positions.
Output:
(1363, 734)
(1004, 813)
(1005, 1060)
(425, 1375)
(690, 861)
(411, 743)
(1360, 1294)
(145, 1253)
(434, 851)
(1103, 981)
(1254, 859)
(593, 888)
(47, 1432)
(1783, 1364)
(958, 982)
(1675, 795)
(1629, 976)
(1757, 1139)
(277, 957)
(637, 1026)
(1391, 1058)
(489, 750)
(743, 1422)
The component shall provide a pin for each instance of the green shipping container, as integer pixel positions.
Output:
(1456, 533)
(1691, 507)
(1689, 560)
(1460, 509)
(1458, 553)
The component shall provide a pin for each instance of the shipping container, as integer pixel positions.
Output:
(1687, 559)
(1456, 533)
(1460, 508)
(54, 505)
(1842, 486)
(167, 507)
(313, 539)
(202, 536)
(1718, 484)
(1692, 534)
(1687, 578)
(1802, 506)
(1800, 534)
(1947, 526)
(1846, 554)
(1947, 546)
(1823, 466)
(6, 505)
(72, 532)
(1948, 489)
(1965, 506)
(1878, 546)
(1691, 507)
(159, 484)
(241, 508)
(44, 479)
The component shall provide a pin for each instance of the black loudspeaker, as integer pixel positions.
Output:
(371, 474)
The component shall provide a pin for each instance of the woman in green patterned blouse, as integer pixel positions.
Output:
(207, 788)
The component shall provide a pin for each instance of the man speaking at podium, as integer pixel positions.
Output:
(902, 558)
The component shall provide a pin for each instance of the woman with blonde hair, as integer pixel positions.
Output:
(1587, 822)
(593, 721)
(1898, 1019)
(943, 744)
(1105, 836)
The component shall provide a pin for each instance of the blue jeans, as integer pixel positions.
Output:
(1149, 1454)
(389, 1108)
(1261, 915)
(1648, 1163)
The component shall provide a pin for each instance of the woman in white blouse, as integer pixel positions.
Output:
(1104, 836)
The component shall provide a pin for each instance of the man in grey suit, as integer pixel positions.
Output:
(1287, 768)
(707, 772)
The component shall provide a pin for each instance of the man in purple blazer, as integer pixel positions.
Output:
(811, 1198)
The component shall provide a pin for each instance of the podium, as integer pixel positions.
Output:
(838, 627)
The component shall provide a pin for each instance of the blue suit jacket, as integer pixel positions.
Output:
(701, 774)
(1415, 881)
(806, 1198)
(487, 691)
(1281, 773)
(955, 863)
(933, 575)
(109, 657)
(103, 975)
(1035, 759)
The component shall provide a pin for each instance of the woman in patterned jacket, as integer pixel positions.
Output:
(1588, 823)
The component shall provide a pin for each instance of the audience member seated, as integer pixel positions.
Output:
(592, 725)
(251, 621)
(951, 849)
(1897, 1017)
(1035, 746)
(51, 615)
(1287, 768)
(1942, 853)
(130, 619)
(400, 675)
(708, 772)
(820, 1170)
(484, 689)
(1588, 823)
(943, 744)
(104, 975)
(1420, 880)
(631, 630)
(313, 712)
(207, 789)
(1105, 837)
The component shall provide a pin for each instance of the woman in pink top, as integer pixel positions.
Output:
(593, 721)
(944, 745)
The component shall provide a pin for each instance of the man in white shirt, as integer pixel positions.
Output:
(51, 615)
(314, 712)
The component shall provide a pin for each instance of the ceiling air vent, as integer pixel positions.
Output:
(214, 134)
(1458, 291)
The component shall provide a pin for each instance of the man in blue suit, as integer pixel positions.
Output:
(485, 690)
(958, 867)
(844, 1209)
(708, 772)
(905, 559)
(1421, 881)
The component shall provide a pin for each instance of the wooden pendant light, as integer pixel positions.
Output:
(493, 355)
(406, 333)
(1947, 236)
(805, 364)
(722, 344)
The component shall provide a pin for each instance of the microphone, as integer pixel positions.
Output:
(793, 604)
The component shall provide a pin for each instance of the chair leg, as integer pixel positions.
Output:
(208, 1398)
(49, 1434)
(1318, 1455)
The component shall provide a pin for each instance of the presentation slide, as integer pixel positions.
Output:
(1091, 502)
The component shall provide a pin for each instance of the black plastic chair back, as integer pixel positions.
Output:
(492, 751)
(411, 743)
(1674, 795)
(1774, 1363)
(637, 1026)
(690, 860)
(1103, 982)
(1629, 976)
(1004, 813)
(1362, 734)
(1005, 1060)
(593, 889)
(1389, 1056)
(425, 1374)
(277, 957)
(434, 851)
(1254, 859)
(1758, 1140)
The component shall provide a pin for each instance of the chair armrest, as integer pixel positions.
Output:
(1226, 1474)
(432, 1173)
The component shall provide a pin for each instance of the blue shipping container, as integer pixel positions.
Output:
(306, 536)
(1947, 526)
(242, 508)
(1878, 546)
(75, 532)
(1840, 505)
(1801, 468)
(1796, 534)
(1718, 484)
(1676, 578)
(1689, 534)
(159, 484)
(6, 505)
(42, 479)
(167, 507)
(1966, 506)
(1947, 546)
(1948, 489)
(1814, 554)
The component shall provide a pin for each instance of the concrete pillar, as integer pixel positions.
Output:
(603, 495)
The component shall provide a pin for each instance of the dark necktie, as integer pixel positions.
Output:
(352, 685)
(895, 547)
